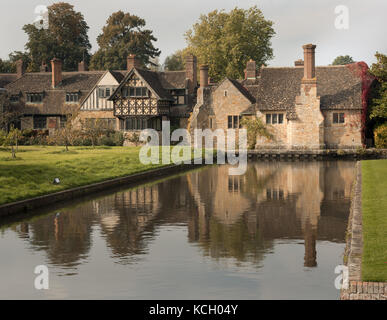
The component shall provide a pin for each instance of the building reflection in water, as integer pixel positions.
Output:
(237, 217)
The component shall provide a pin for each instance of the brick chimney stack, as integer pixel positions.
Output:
(56, 69)
(82, 66)
(309, 62)
(132, 62)
(191, 72)
(203, 75)
(20, 68)
(251, 70)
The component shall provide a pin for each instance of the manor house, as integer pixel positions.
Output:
(302, 107)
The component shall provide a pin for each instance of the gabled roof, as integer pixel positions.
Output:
(242, 89)
(151, 78)
(239, 86)
(117, 75)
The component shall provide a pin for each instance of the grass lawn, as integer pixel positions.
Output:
(31, 174)
(374, 204)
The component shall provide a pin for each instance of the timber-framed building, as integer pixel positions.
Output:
(302, 107)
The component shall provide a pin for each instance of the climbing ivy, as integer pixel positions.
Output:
(255, 128)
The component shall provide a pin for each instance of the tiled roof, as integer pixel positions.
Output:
(337, 86)
(118, 75)
(172, 79)
(7, 78)
(41, 81)
(152, 78)
(54, 98)
(242, 89)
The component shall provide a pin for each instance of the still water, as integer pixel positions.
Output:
(276, 232)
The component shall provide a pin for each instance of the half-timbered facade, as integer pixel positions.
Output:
(137, 104)
(97, 105)
(145, 98)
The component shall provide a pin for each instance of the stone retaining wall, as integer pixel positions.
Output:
(358, 290)
(25, 206)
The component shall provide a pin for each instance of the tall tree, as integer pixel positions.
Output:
(341, 60)
(175, 61)
(378, 110)
(123, 34)
(6, 66)
(226, 41)
(65, 38)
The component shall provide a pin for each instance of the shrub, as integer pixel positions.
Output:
(118, 138)
(31, 137)
(255, 128)
(381, 136)
(134, 138)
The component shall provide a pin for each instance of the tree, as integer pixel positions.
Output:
(378, 106)
(7, 66)
(342, 60)
(66, 135)
(11, 139)
(92, 129)
(65, 38)
(122, 35)
(8, 116)
(226, 41)
(175, 61)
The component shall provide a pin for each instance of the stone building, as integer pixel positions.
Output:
(303, 107)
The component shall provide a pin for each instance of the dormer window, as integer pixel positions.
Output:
(34, 97)
(72, 97)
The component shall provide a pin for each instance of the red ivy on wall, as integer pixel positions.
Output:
(360, 69)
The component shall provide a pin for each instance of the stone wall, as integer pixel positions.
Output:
(227, 101)
(307, 131)
(278, 131)
(345, 135)
(358, 290)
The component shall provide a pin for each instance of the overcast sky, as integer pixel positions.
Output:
(296, 22)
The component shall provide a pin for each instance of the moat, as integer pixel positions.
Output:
(277, 232)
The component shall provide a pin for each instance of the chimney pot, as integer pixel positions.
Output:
(309, 61)
(251, 70)
(20, 68)
(203, 75)
(132, 62)
(56, 69)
